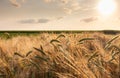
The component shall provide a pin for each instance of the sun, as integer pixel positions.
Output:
(106, 7)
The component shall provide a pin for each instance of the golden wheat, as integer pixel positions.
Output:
(50, 55)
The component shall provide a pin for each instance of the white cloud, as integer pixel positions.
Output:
(67, 10)
(89, 19)
(68, 6)
(72, 6)
(16, 3)
(48, 0)
(62, 1)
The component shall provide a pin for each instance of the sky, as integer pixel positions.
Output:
(59, 15)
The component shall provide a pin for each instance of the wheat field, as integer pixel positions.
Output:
(63, 55)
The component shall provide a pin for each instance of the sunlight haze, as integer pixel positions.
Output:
(59, 15)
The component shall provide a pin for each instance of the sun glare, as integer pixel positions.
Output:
(106, 7)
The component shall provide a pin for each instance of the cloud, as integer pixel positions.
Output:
(16, 3)
(65, 1)
(118, 18)
(71, 6)
(59, 18)
(90, 19)
(49, 1)
(67, 10)
(68, 6)
(62, 1)
(27, 21)
(75, 5)
(43, 20)
(33, 21)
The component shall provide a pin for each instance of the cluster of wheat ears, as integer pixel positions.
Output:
(65, 55)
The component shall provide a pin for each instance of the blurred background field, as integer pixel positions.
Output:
(4, 34)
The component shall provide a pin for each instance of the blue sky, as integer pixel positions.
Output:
(56, 15)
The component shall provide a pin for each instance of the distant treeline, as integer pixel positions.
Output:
(61, 31)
